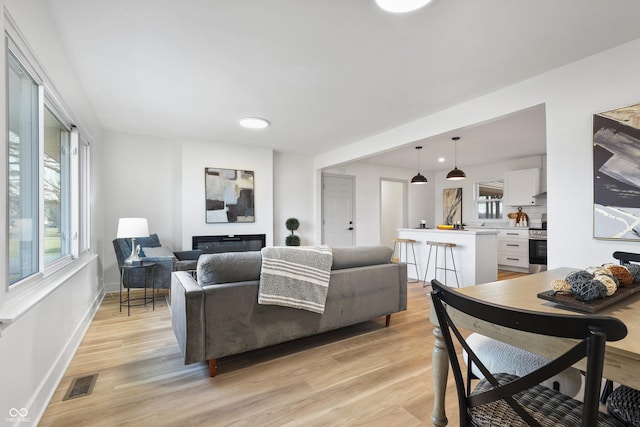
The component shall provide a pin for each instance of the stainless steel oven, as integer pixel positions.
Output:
(537, 250)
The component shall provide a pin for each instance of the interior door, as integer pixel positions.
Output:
(338, 228)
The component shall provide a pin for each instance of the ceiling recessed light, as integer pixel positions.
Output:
(254, 123)
(441, 159)
(401, 6)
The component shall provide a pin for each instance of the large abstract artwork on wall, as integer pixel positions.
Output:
(616, 174)
(229, 195)
(452, 205)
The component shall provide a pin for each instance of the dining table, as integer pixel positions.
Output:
(622, 358)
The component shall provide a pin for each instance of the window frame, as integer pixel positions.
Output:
(478, 200)
(79, 170)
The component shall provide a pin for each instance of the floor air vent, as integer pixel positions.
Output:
(81, 386)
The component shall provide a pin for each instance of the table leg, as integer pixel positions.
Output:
(121, 284)
(440, 370)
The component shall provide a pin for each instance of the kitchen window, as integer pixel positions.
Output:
(489, 204)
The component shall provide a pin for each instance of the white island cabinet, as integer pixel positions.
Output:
(475, 254)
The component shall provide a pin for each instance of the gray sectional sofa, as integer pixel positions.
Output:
(218, 315)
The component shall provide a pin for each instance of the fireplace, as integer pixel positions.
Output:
(229, 243)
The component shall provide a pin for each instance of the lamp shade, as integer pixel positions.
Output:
(132, 227)
(456, 174)
(419, 179)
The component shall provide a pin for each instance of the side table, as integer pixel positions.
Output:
(127, 270)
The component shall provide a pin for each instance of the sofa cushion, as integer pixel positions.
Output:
(145, 242)
(360, 256)
(148, 242)
(229, 267)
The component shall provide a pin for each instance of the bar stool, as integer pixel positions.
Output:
(399, 243)
(445, 269)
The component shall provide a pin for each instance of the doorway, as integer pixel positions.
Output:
(338, 228)
(393, 209)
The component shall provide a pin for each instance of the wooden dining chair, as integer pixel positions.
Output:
(506, 399)
(624, 258)
(623, 402)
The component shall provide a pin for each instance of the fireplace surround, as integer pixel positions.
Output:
(229, 243)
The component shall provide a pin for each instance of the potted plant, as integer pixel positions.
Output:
(292, 224)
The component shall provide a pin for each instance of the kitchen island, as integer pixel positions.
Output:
(475, 254)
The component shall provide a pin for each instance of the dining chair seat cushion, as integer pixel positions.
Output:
(624, 404)
(548, 407)
(502, 357)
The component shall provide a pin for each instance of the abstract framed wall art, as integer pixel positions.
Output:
(452, 205)
(616, 174)
(229, 195)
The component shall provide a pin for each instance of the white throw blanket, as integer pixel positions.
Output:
(295, 277)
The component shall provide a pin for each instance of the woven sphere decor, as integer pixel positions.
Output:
(622, 273)
(584, 287)
(609, 282)
(597, 282)
(559, 285)
(634, 269)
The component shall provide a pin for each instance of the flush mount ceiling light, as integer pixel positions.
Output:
(456, 174)
(419, 179)
(254, 123)
(401, 6)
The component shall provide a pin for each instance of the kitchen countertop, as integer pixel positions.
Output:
(478, 230)
(496, 226)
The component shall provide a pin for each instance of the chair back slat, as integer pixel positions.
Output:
(626, 257)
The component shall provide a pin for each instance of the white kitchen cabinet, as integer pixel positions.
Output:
(521, 186)
(513, 250)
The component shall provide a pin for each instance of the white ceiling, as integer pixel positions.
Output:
(325, 72)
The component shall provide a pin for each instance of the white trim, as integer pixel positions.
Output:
(74, 182)
(25, 54)
(35, 289)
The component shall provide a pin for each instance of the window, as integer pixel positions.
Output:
(23, 157)
(57, 187)
(489, 204)
(48, 174)
(84, 153)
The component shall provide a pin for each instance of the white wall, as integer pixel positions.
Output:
(141, 180)
(51, 315)
(571, 94)
(196, 156)
(293, 197)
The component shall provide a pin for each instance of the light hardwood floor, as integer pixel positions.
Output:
(361, 375)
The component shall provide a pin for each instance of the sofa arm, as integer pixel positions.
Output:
(187, 316)
(188, 255)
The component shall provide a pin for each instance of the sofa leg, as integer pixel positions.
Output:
(212, 367)
(387, 320)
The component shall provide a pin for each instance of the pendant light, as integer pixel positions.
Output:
(419, 179)
(455, 173)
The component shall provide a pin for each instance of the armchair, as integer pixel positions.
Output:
(151, 250)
